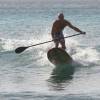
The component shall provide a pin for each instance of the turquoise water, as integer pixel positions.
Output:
(26, 76)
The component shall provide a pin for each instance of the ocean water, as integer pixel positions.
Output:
(27, 76)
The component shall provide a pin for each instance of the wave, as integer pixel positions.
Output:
(87, 56)
(11, 44)
(81, 54)
(84, 55)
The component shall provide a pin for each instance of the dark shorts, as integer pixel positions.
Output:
(58, 37)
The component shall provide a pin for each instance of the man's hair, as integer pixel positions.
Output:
(61, 15)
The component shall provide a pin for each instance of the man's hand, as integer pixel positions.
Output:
(83, 33)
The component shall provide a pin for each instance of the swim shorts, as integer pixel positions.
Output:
(58, 37)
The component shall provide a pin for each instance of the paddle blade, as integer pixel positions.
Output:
(20, 49)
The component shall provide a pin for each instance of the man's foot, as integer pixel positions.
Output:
(63, 48)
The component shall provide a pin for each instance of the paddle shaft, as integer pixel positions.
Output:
(21, 49)
(53, 40)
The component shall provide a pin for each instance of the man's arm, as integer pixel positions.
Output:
(74, 28)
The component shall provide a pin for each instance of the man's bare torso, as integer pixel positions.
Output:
(59, 25)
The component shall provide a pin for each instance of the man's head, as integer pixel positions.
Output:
(61, 16)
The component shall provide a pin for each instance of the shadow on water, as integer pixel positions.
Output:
(61, 74)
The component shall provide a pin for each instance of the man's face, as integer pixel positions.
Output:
(61, 16)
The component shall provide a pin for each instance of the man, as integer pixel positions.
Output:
(57, 30)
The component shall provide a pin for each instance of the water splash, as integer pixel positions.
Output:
(84, 55)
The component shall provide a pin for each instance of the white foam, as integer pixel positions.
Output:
(11, 44)
(87, 56)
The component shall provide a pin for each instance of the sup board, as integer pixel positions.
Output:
(58, 56)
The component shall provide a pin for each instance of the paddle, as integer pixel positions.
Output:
(21, 49)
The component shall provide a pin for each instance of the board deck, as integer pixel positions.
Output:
(58, 56)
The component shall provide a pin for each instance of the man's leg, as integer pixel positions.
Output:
(63, 44)
(56, 44)
(56, 41)
(62, 41)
